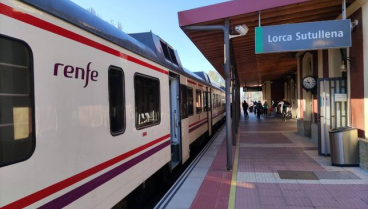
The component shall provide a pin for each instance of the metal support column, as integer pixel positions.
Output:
(225, 29)
(227, 94)
(233, 116)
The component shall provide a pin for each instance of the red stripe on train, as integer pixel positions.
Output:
(32, 198)
(192, 82)
(196, 122)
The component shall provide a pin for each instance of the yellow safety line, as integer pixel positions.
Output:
(234, 176)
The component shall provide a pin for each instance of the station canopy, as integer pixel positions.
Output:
(253, 69)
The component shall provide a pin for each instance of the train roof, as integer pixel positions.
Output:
(78, 16)
(204, 76)
(146, 44)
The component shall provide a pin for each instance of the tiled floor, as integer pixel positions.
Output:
(267, 146)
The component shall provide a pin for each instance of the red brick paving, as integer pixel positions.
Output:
(271, 160)
(215, 189)
(270, 195)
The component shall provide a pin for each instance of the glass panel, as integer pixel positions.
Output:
(16, 126)
(190, 101)
(165, 50)
(172, 55)
(198, 101)
(209, 101)
(214, 100)
(333, 106)
(147, 101)
(184, 101)
(218, 101)
(205, 101)
(116, 101)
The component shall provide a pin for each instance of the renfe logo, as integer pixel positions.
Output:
(76, 72)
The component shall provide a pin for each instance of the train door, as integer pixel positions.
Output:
(332, 109)
(175, 120)
(209, 110)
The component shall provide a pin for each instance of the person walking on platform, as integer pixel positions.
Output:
(259, 109)
(255, 107)
(265, 108)
(245, 108)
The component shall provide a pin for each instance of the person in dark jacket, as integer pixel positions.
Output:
(259, 109)
(265, 108)
(255, 107)
(245, 108)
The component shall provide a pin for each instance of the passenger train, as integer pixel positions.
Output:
(87, 112)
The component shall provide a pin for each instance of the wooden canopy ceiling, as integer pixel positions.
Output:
(252, 67)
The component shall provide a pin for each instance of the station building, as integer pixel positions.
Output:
(339, 72)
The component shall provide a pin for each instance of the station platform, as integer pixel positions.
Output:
(273, 168)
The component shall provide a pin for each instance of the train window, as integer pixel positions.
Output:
(198, 101)
(190, 101)
(147, 101)
(218, 100)
(214, 103)
(204, 101)
(17, 139)
(184, 101)
(173, 56)
(165, 50)
(116, 100)
(208, 101)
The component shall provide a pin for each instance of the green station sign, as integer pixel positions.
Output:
(303, 36)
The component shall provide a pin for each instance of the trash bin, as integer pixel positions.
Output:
(344, 146)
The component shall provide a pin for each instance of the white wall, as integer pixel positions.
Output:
(334, 62)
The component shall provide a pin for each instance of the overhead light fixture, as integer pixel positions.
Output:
(343, 67)
(242, 30)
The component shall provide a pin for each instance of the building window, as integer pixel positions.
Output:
(184, 101)
(199, 101)
(147, 101)
(190, 101)
(17, 140)
(116, 100)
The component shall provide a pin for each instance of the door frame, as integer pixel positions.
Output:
(176, 77)
(319, 106)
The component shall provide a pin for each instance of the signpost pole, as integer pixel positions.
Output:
(225, 29)
(227, 95)
(259, 19)
(344, 9)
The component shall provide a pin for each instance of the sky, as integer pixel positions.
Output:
(158, 16)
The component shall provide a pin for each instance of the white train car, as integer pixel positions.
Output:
(87, 113)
